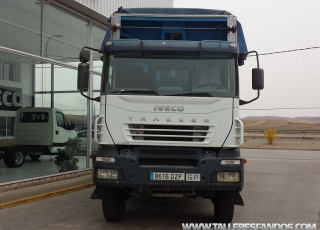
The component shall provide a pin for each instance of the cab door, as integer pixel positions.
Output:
(62, 132)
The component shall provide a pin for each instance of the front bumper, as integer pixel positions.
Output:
(135, 164)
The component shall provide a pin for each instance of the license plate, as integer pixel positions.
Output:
(164, 176)
(192, 177)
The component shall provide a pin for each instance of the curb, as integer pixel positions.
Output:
(13, 185)
(45, 196)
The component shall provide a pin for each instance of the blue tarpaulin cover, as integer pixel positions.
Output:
(188, 34)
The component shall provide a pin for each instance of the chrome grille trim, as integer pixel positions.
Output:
(168, 132)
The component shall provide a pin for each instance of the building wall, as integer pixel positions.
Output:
(55, 30)
(107, 7)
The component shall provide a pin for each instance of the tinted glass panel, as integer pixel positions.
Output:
(27, 117)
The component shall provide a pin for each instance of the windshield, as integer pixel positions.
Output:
(165, 75)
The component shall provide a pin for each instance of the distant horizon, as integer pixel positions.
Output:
(282, 116)
(300, 118)
(289, 49)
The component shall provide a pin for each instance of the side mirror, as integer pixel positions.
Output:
(72, 125)
(257, 79)
(84, 56)
(83, 77)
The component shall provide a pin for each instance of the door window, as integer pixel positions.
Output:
(61, 120)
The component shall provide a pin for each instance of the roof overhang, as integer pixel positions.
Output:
(84, 10)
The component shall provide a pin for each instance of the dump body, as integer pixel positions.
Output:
(176, 24)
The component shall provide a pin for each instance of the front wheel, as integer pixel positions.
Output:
(223, 208)
(113, 204)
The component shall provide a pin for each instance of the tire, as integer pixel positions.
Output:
(223, 208)
(14, 158)
(34, 157)
(113, 204)
(215, 211)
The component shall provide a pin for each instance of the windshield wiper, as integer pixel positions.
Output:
(136, 92)
(201, 94)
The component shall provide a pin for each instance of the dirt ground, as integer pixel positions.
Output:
(281, 124)
(294, 143)
(298, 141)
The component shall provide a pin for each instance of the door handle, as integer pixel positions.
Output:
(57, 132)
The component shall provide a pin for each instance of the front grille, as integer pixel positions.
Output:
(168, 162)
(182, 133)
(168, 151)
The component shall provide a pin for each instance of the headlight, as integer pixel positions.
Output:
(106, 159)
(107, 174)
(230, 162)
(228, 177)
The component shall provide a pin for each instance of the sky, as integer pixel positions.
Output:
(292, 79)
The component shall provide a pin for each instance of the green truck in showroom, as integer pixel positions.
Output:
(37, 131)
(169, 108)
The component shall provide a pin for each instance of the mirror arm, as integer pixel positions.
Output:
(253, 51)
(97, 99)
(241, 102)
(90, 48)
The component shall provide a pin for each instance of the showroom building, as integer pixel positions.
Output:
(39, 49)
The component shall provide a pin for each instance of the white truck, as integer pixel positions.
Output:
(169, 108)
(37, 131)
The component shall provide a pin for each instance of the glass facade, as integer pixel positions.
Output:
(42, 115)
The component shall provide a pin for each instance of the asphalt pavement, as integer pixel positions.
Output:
(281, 186)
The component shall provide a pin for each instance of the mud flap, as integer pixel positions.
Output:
(98, 192)
(237, 199)
(234, 196)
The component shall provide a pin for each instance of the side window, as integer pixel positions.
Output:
(8, 71)
(110, 73)
(34, 117)
(10, 125)
(6, 126)
(2, 126)
(26, 117)
(110, 82)
(61, 120)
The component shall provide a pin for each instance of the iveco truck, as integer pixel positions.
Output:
(169, 108)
